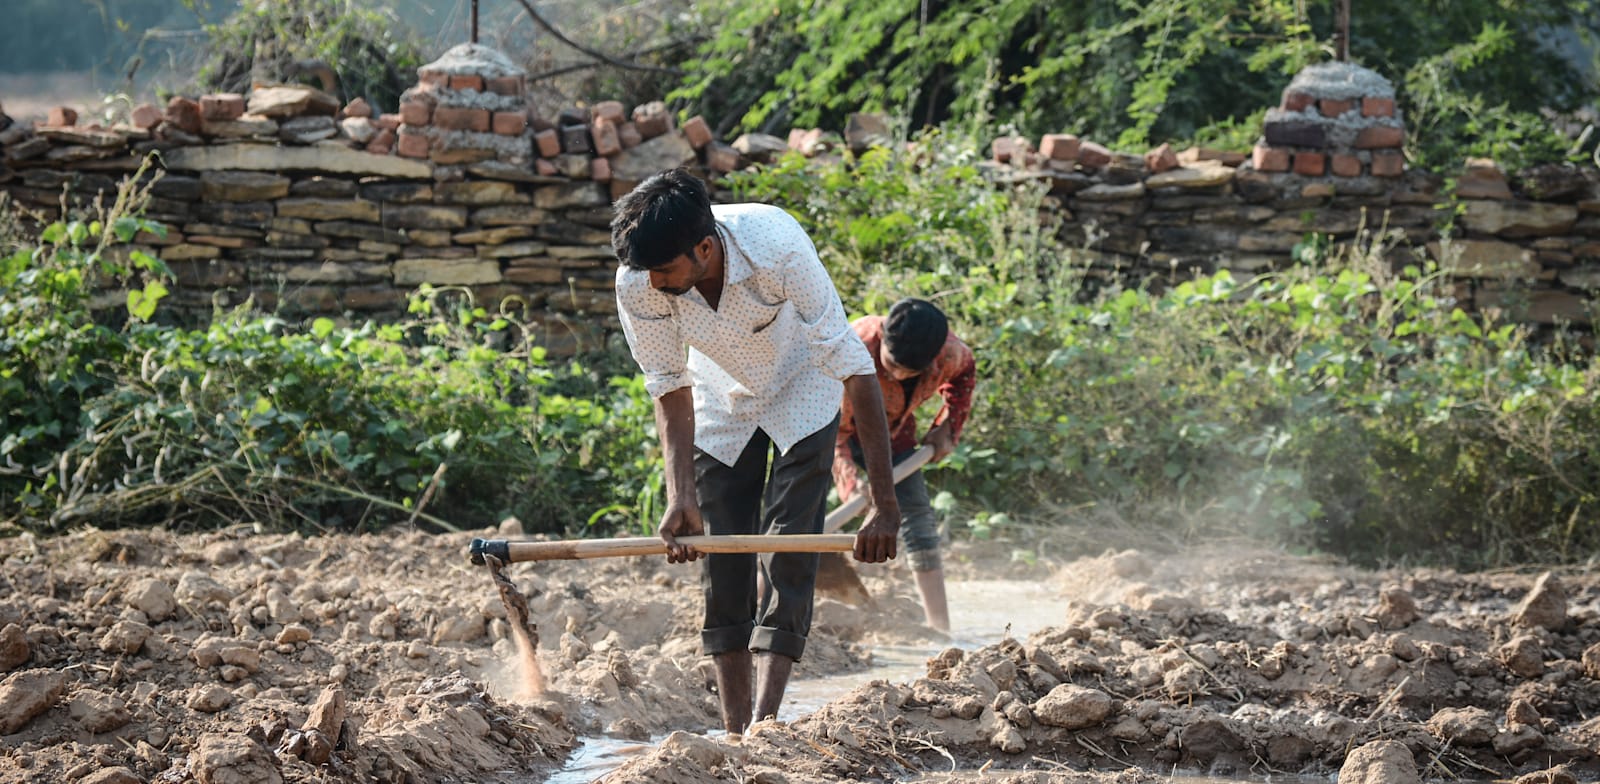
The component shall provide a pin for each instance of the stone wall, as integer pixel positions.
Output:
(305, 206)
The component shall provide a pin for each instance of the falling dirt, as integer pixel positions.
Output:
(524, 631)
(230, 657)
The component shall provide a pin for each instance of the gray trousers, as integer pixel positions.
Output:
(748, 497)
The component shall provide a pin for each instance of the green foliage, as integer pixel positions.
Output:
(372, 53)
(1337, 405)
(1138, 73)
(451, 417)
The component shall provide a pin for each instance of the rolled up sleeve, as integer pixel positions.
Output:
(652, 333)
(834, 347)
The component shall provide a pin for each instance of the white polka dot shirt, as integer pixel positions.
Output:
(772, 356)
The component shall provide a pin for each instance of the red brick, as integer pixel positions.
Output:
(1003, 149)
(1388, 164)
(457, 118)
(505, 85)
(652, 119)
(62, 117)
(1295, 102)
(1093, 155)
(145, 115)
(221, 107)
(1269, 159)
(1311, 164)
(1377, 107)
(466, 82)
(606, 140)
(1333, 108)
(1161, 159)
(413, 145)
(358, 108)
(548, 143)
(628, 134)
(388, 122)
(416, 113)
(383, 142)
(1380, 137)
(1345, 165)
(184, 114)
(544, 167)
(697, 132)
(600, 170)
(510, 123)
(610, 110)
(1059, 146)
(434, 78)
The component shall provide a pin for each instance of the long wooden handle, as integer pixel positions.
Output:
(574, 549)
(848, 510)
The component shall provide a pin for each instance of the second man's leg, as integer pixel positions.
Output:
(919, 539)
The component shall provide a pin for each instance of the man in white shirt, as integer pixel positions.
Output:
(745, 346)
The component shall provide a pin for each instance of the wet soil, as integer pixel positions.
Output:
(230, 657)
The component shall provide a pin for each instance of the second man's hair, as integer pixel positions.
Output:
(915, 332)
(662, 218)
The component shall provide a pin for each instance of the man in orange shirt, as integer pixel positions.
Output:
(917, 357)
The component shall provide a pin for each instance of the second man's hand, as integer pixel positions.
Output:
(878, 539)
(681, 520)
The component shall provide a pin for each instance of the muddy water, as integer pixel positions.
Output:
(982, 612)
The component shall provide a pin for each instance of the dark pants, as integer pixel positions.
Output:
(919, 524)
(748, 498)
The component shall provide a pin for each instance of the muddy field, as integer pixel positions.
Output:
(230, 658)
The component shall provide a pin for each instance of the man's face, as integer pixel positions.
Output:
(676, 277)
(896, 371)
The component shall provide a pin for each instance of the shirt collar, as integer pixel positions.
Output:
(736, 265)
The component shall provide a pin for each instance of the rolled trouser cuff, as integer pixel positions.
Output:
(726, 638)
(924, 560)
(769, 639)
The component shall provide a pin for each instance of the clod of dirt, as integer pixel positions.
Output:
(25, 695)
(1380, 762)
(14, 648)
(1545, 606)
(1463, 726)
(1396, 608)
(229, 758)
(1072, 707)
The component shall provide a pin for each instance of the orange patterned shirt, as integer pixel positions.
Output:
(952, 375)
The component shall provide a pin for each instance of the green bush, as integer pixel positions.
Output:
(1339, 405)
(450, 417)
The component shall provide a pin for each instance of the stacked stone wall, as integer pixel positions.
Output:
(308, 208)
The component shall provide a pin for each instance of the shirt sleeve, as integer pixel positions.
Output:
(957, 389)
(652, 333)
(835, 348)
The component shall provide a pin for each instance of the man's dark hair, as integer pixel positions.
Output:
(662, 218)
(915, 332)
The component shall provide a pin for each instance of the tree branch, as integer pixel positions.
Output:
(596, 54)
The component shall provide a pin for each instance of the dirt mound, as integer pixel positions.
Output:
(228, 657)
(1225, 664)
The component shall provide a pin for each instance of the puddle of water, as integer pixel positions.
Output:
(595, 757)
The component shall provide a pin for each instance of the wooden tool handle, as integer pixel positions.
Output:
(574, 549)
(848, 510)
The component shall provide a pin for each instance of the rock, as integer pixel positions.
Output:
(1482, 179)
(125, 637)
(1380, 762)
(1209, 738)
(1290, 751)
(705, 752)
(210, 699)
(1396, 608)
(1463, 726)
(1008, 739)
(117, 775)
(308, 130)
(1591, 661)
(26, 694)
(1203, 175)
(293, 633)
(760, 147)
(1517, 738)
(216, 651)
(97, 711)
(321, 158)
(1107, 192)
(668, 151)
(240, 186)
(328, 714)
(1523, 656)
(1553, 182)
(152, 597)
(1556, 775)
(1485, 259)
(863, 130)
(197, 590)
(233, 759)
(577, 194)
(1519, 218)
(1072, 707)
(291, 101)
(1160, 159)
(14, 647)
(1521, 711)
(1545, 605)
